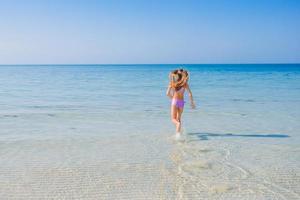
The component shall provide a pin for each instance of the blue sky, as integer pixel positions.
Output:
(159, 31)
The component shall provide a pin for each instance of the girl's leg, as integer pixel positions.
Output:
(179, 113)
(174, 113)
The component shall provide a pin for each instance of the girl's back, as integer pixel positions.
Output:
(179, 94)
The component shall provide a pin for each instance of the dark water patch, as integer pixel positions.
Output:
(205, 150)
(8, 116)
(56, 107)
(267, 68)
(205, 136)
(243, 100)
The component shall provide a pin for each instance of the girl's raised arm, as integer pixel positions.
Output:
(168, 93)
(191, 96)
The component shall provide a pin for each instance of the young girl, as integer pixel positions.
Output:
(178, 84)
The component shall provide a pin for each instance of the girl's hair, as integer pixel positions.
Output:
(178, 78)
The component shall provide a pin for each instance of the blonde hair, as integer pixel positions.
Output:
(178, 78)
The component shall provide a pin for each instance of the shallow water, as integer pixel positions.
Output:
(91, 132)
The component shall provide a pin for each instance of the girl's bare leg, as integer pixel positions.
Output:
(179, 113)
(174, 114)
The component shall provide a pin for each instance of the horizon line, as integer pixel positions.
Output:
(70, 64)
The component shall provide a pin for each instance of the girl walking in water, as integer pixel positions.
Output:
(177, 86)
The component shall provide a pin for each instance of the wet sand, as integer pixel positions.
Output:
(146, 167)
(85, 168)
(241, 169)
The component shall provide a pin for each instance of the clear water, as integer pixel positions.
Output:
(80, 121)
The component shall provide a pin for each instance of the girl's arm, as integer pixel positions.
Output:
(168, 93)
(191, 96)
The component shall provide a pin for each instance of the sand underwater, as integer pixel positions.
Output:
(86, 132)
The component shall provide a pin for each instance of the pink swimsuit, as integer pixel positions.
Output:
(179, 103)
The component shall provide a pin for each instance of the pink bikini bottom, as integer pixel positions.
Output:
(179, 103)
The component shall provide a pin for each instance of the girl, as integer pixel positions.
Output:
(178, 84)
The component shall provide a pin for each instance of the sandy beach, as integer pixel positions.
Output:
(138, 167)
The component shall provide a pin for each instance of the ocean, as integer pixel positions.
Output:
(104, 132)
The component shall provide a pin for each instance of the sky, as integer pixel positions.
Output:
(149, 31)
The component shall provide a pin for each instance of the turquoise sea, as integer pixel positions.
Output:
(104, 132)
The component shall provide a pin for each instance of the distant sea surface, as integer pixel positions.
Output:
(91, 131)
